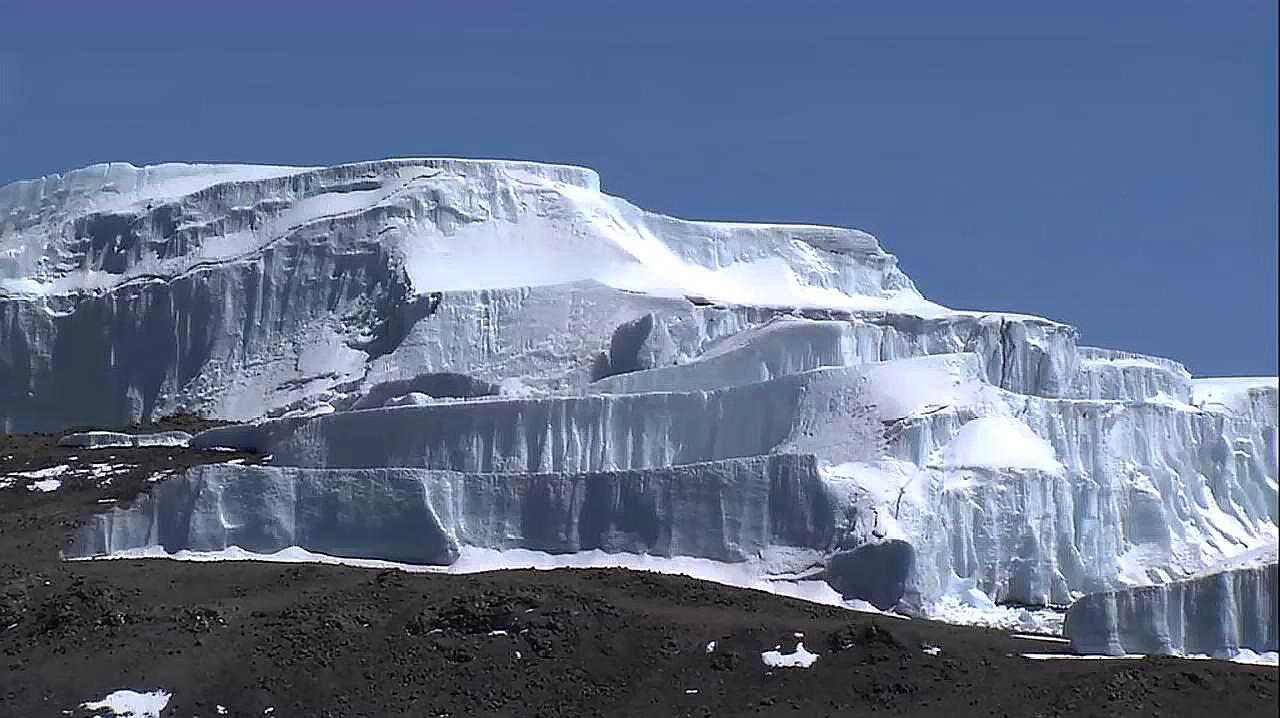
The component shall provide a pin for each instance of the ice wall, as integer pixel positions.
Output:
(839, 411)
(1217, 614)
(576, 433)
(238, 291)
(130, 292)
(1257, 398)
(222, 339)
(485, 327)
(1125, 376)
(1147, 492)
(1021, 354)
(1049, 499)
(735, 510)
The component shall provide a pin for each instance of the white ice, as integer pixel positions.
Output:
(45, 477)
(477, 560)
(1036, 637)
(1081, 657)
(799, 658)
(130, 704)
(582, 234)
(950, 609)
(1106, 466)
(45, 473)
(1230, 393)
(999, 442)
(1268, 658)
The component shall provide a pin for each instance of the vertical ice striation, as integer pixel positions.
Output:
(1124, 376)
(1228, 608)
(735, 510)
(454, 347)
(127, 293)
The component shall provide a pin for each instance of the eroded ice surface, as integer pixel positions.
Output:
(1231, 607)
(128, 293)
(503, 335)
(732, 511)
(1038, 499)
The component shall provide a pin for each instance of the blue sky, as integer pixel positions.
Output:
(1111, 168)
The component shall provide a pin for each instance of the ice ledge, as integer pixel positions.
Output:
(1216, 613)
(186, 177)
(1243, 396)
(730, 511)
(1125, 358)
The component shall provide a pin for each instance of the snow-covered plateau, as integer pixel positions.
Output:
(446, 356)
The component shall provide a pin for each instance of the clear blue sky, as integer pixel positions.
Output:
(1111, 168)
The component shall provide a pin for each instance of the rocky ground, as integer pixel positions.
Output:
(255, 639)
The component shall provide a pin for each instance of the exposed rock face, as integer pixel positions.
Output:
(407, 331)
(876, 572)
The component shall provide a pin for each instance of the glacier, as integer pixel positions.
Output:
(1228, 608)
(719, 510)
(450, 355)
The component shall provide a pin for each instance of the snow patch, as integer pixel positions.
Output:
(799, 658)
(44, 479)
(45, 485)
(1230, 394)
(926, 384)
(45, 473)
(999, 442)
(115, 439)
(1034, 637)
(750, 574)
(1245, 655)
(130, 704)
(1079, 657)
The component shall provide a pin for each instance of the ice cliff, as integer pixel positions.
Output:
(734, 510)
(130, 292)
(1230, 607)
(448, 353)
